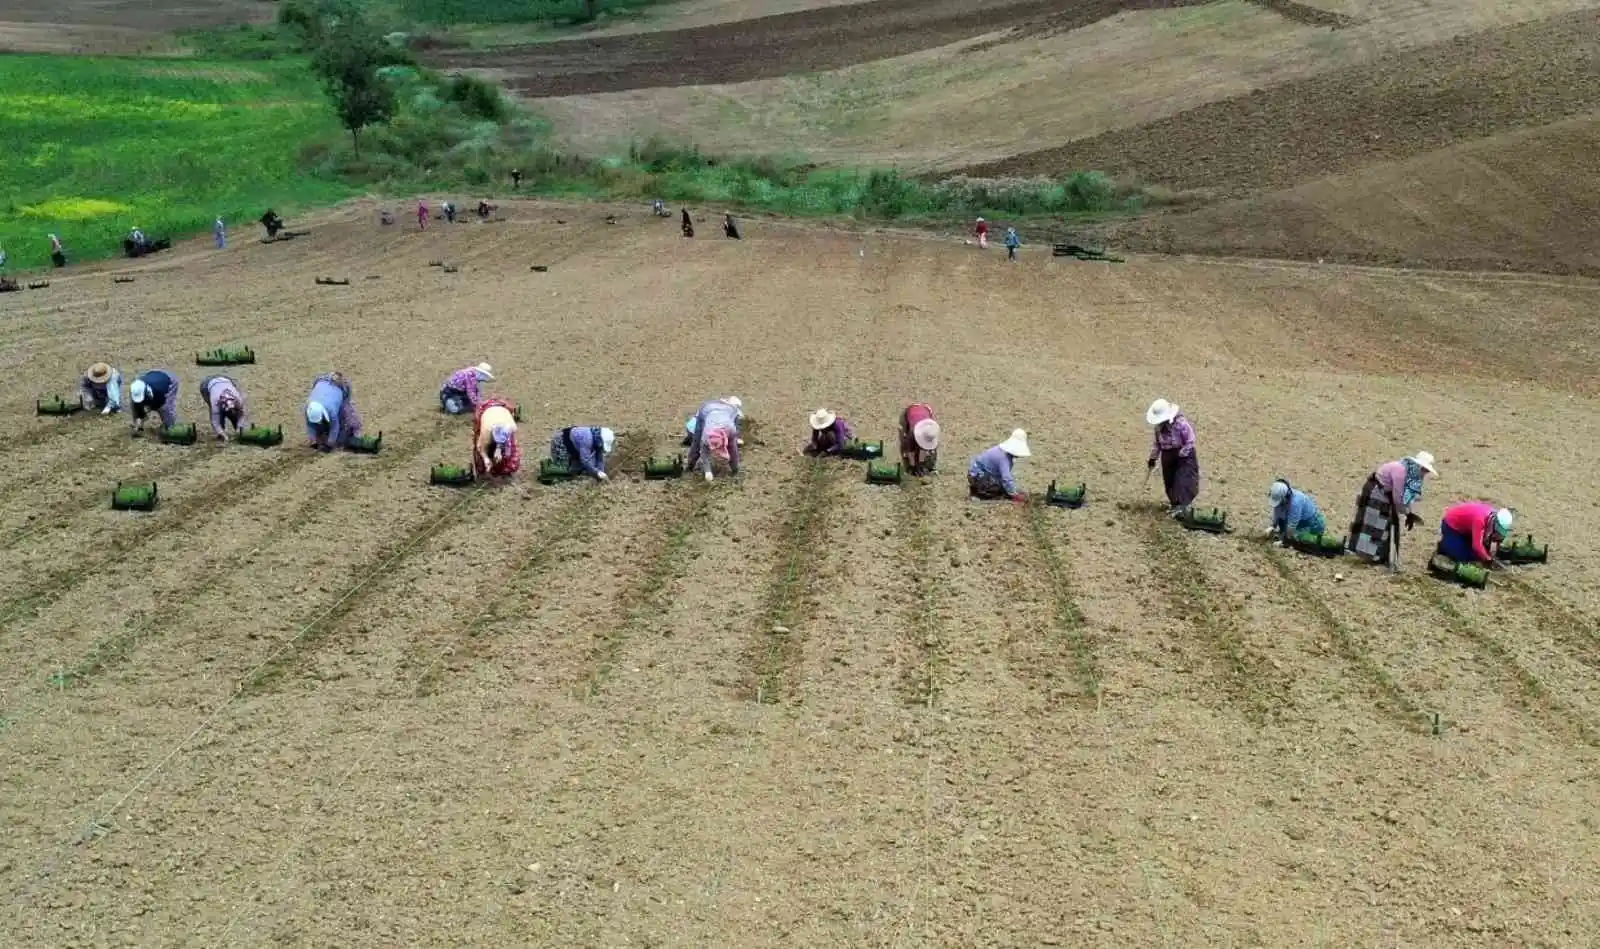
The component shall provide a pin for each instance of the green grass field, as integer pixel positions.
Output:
(96, 146)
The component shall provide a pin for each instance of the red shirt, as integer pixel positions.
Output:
(917, 413)
(983, 227)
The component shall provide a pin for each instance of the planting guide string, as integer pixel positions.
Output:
(97, 825)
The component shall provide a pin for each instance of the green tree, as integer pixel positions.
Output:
(348, 55)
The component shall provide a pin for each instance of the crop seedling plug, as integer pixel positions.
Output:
(1466, 574)
(660, 469)
(134, 497)
(56, 405)
(226, 356)
(180, 434)
(1523, 551)
(453, 476)
(1071, 497)
(262, 436)
(550, 472)
(882, 472)
(1216, 522)
(1317, 545)
(365, 444)
(859, 450)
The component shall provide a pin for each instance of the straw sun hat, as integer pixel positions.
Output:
(1017, 445)
(821, 419)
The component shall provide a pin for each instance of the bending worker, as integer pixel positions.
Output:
(225, 403)
(154, 391)
(584, 446)
(495, 451)
(331, 417)
(102, 388)
(459, 394)
(716, 435)
(991, 477)
(1472, 532)
(1293, 512)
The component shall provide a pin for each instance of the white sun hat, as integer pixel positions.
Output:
(1279, 492)
(926, 434)
(138, 390)
(1502, 522)
(1424, 460)
(608, 441)
(821, 419)
(482, 369)
(316, 413)
(1161, 411)
(734, 401)
(1017, 445)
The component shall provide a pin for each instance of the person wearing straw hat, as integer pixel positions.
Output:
(225, 403)
(919, 440)
(1293, 512)
(496, 452)
(991, 476)
(829, 432)
(331, 416)
(982, 230)
(102, 388)
(1472, 532)
(715, 435)
(154, 391)
(1384, 503)
(1174, 449)
(459, 394)
(585, 446)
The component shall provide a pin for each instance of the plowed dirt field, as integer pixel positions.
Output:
(312, 701)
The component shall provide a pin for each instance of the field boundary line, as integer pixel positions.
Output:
(1067, 620)
(1531, 692)
(1247, 676)
(776, 653)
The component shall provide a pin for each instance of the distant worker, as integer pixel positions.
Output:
(516, 179)
(1472, 531)
(1293, 512)
(584, 446)
(449, 209)
(58, 254)
(219, 233)
(385, 217)
(140, 242)
(829, 432)
(919, 440)
(422, 215)
(658, 207)
(1384, 504)
(1174, 451)
(331, 417)
(1012, 243)
(730, 227)
(992, 476)
(495, 450)
(716, 435)
(102, 388)
(688, 224)
(225, 404)
(273, 223)
(983, 234)
(154, 391)
(459, 394)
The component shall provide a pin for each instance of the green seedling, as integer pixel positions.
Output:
(134, 497)
(365, 444)
(226, 356)
(859, 450)
(56, 405)
(882, 472)
(659, 469)
(1523, 551)
(454, 476)
(262, 436)
(550, 472)
(1215, 522)
(1318, 545)
(1466, 574)
(181, 434)
(516, 414)
(1071, 497)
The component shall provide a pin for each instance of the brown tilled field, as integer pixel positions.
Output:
(312, 701)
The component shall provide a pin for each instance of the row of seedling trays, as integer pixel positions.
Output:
(1515, 553)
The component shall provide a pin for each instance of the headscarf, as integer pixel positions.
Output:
(502, 434)
(1413, 488)
(717, 442)
(228, 404)
(1280, 492)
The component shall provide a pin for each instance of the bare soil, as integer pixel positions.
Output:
(311, 700)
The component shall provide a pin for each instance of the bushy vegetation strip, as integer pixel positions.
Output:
(779, 646)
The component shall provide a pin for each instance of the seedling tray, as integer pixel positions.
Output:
(58, 406)
(550, 472)
(1071, 497)
(660, 469)
(365, 444)
(1317, 545)
(226, 356)
(858, 450)
(453, 476)
(262, 436)
(882, 472)
(1214, 522)
(134, 497)
(1465, 574)
(181, 434)
(1520, 552)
